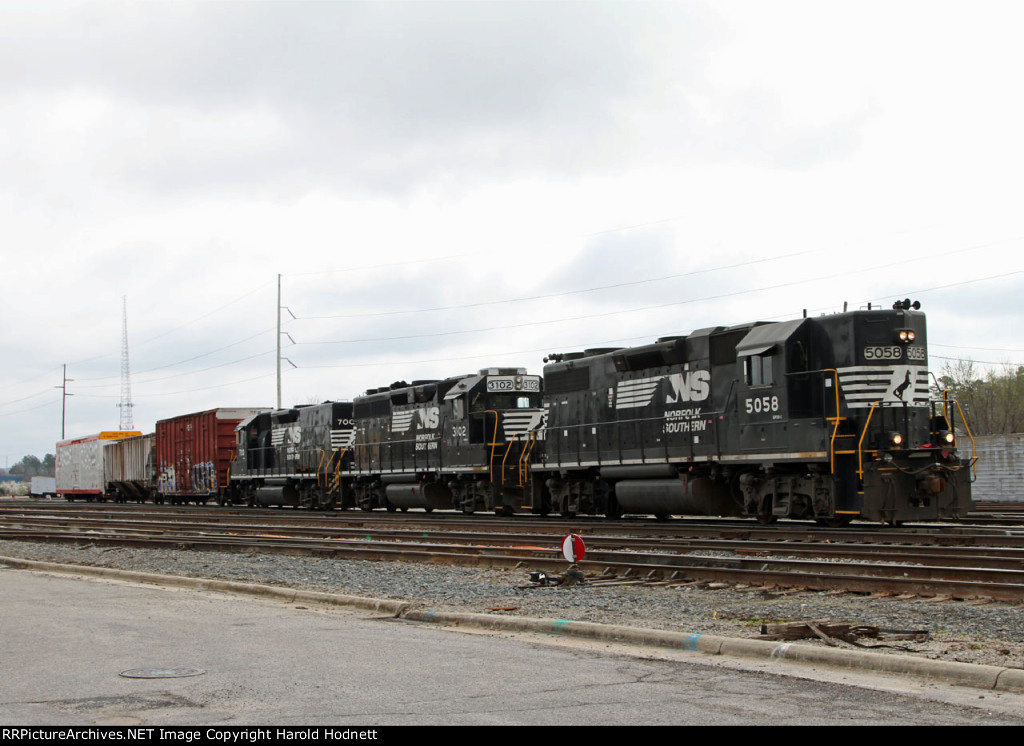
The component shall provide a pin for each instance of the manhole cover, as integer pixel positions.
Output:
(162, 673)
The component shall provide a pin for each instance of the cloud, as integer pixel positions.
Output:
(388, 96)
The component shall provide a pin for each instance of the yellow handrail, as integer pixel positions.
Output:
(494, 443)
(318, 468)
(524, 460)
(508, 450)
(860, 442)
(835, 419)
(969, 435)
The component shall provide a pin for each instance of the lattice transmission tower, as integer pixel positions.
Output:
(126, 377)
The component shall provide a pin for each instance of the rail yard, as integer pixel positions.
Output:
(706, 576)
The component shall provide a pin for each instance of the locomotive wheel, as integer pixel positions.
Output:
(404, 510)
(568, 514)
(838, 521)
(428, 509)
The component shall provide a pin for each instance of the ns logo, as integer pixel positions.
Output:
(694, 385)
(428, 417)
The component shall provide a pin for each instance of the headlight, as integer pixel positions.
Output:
(907, 335)
(947, 437)
(896, 439)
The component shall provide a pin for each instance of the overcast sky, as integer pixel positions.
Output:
(445, 186)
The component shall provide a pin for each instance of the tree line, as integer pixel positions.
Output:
(993, 401)
(33, 466)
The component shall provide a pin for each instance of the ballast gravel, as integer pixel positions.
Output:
(973, 632)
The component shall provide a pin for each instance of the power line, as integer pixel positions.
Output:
(639, 309)
(562, 294)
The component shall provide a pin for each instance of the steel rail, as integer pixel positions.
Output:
(1006, 585)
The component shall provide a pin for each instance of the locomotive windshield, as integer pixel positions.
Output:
(513, 401)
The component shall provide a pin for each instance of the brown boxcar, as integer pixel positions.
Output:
(193, 453)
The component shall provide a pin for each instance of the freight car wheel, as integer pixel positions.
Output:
(766, 519)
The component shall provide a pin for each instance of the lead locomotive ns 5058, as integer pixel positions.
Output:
(830, 418)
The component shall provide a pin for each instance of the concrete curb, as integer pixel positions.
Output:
(288, 595)
(966, 674)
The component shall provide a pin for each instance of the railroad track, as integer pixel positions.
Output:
(953, 562)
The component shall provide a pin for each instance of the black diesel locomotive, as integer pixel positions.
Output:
(827, 418)
(292, 456)
(464, 442)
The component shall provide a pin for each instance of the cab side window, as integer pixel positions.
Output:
(758, 370)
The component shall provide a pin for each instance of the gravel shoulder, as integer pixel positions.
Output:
(970, 632)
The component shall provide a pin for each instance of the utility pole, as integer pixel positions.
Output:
(64, 398)
(279, 340)
(279, 333)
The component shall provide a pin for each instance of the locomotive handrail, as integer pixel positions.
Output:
(504, 458)
(967, 427)
(493, 443)
(970, 435)
(524, 460)
(860, 442)
(319, 468)
(835, 420)
(521, 461)
(337, 468)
